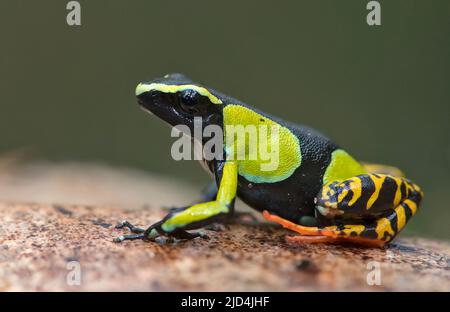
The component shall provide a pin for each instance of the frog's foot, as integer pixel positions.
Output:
(154, 231)
(121, 238)
(329, 234)
(131, 227)
(138, 233)
(178, 222)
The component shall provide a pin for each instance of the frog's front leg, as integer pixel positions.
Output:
(209, 193)
(178, 221)
(369, 209)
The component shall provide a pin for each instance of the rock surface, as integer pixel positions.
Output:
(48, 246)
(43, 246)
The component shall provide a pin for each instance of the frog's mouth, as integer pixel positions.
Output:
(148, 101)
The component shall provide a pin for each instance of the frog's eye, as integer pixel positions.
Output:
(189, 97)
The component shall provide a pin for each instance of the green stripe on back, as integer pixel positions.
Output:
(342, 166)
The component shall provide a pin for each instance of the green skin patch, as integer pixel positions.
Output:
(342, 166)
(289, 154)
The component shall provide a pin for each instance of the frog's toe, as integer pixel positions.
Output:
(131, 227)
(303, 230)
(122, 238)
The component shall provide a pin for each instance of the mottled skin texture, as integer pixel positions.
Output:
(329, 197)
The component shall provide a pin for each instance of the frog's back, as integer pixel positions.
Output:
(304, 156)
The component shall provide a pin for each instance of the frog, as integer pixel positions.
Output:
(318, 191)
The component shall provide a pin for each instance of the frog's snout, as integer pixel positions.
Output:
(141, 88)
(146, 96)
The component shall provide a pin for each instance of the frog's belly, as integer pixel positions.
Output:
(285, 198)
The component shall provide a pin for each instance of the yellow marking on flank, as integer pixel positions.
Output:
(342, 195)
(398, 193)
(353, 228)
(356, 187)
(342, 166)
(142, 87)
(378, 183)
(401, 217)
(384, 225)
(409, 189)
(412, 205)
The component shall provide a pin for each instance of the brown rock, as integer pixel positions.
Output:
(39, 244)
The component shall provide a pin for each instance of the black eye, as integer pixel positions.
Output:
(189, 97)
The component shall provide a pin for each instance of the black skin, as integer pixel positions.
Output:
(291, 199)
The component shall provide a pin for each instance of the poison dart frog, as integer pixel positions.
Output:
(317, 190)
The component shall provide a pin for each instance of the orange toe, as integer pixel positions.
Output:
(304, 230)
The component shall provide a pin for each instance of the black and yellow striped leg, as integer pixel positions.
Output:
(369, 209)
(178, 221)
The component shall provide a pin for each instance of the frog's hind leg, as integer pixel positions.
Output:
(333, 234)
(388, 202)
(382, 204)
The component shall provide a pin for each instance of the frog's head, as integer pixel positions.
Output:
(178, 100)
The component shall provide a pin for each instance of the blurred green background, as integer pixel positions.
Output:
(67, 93)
